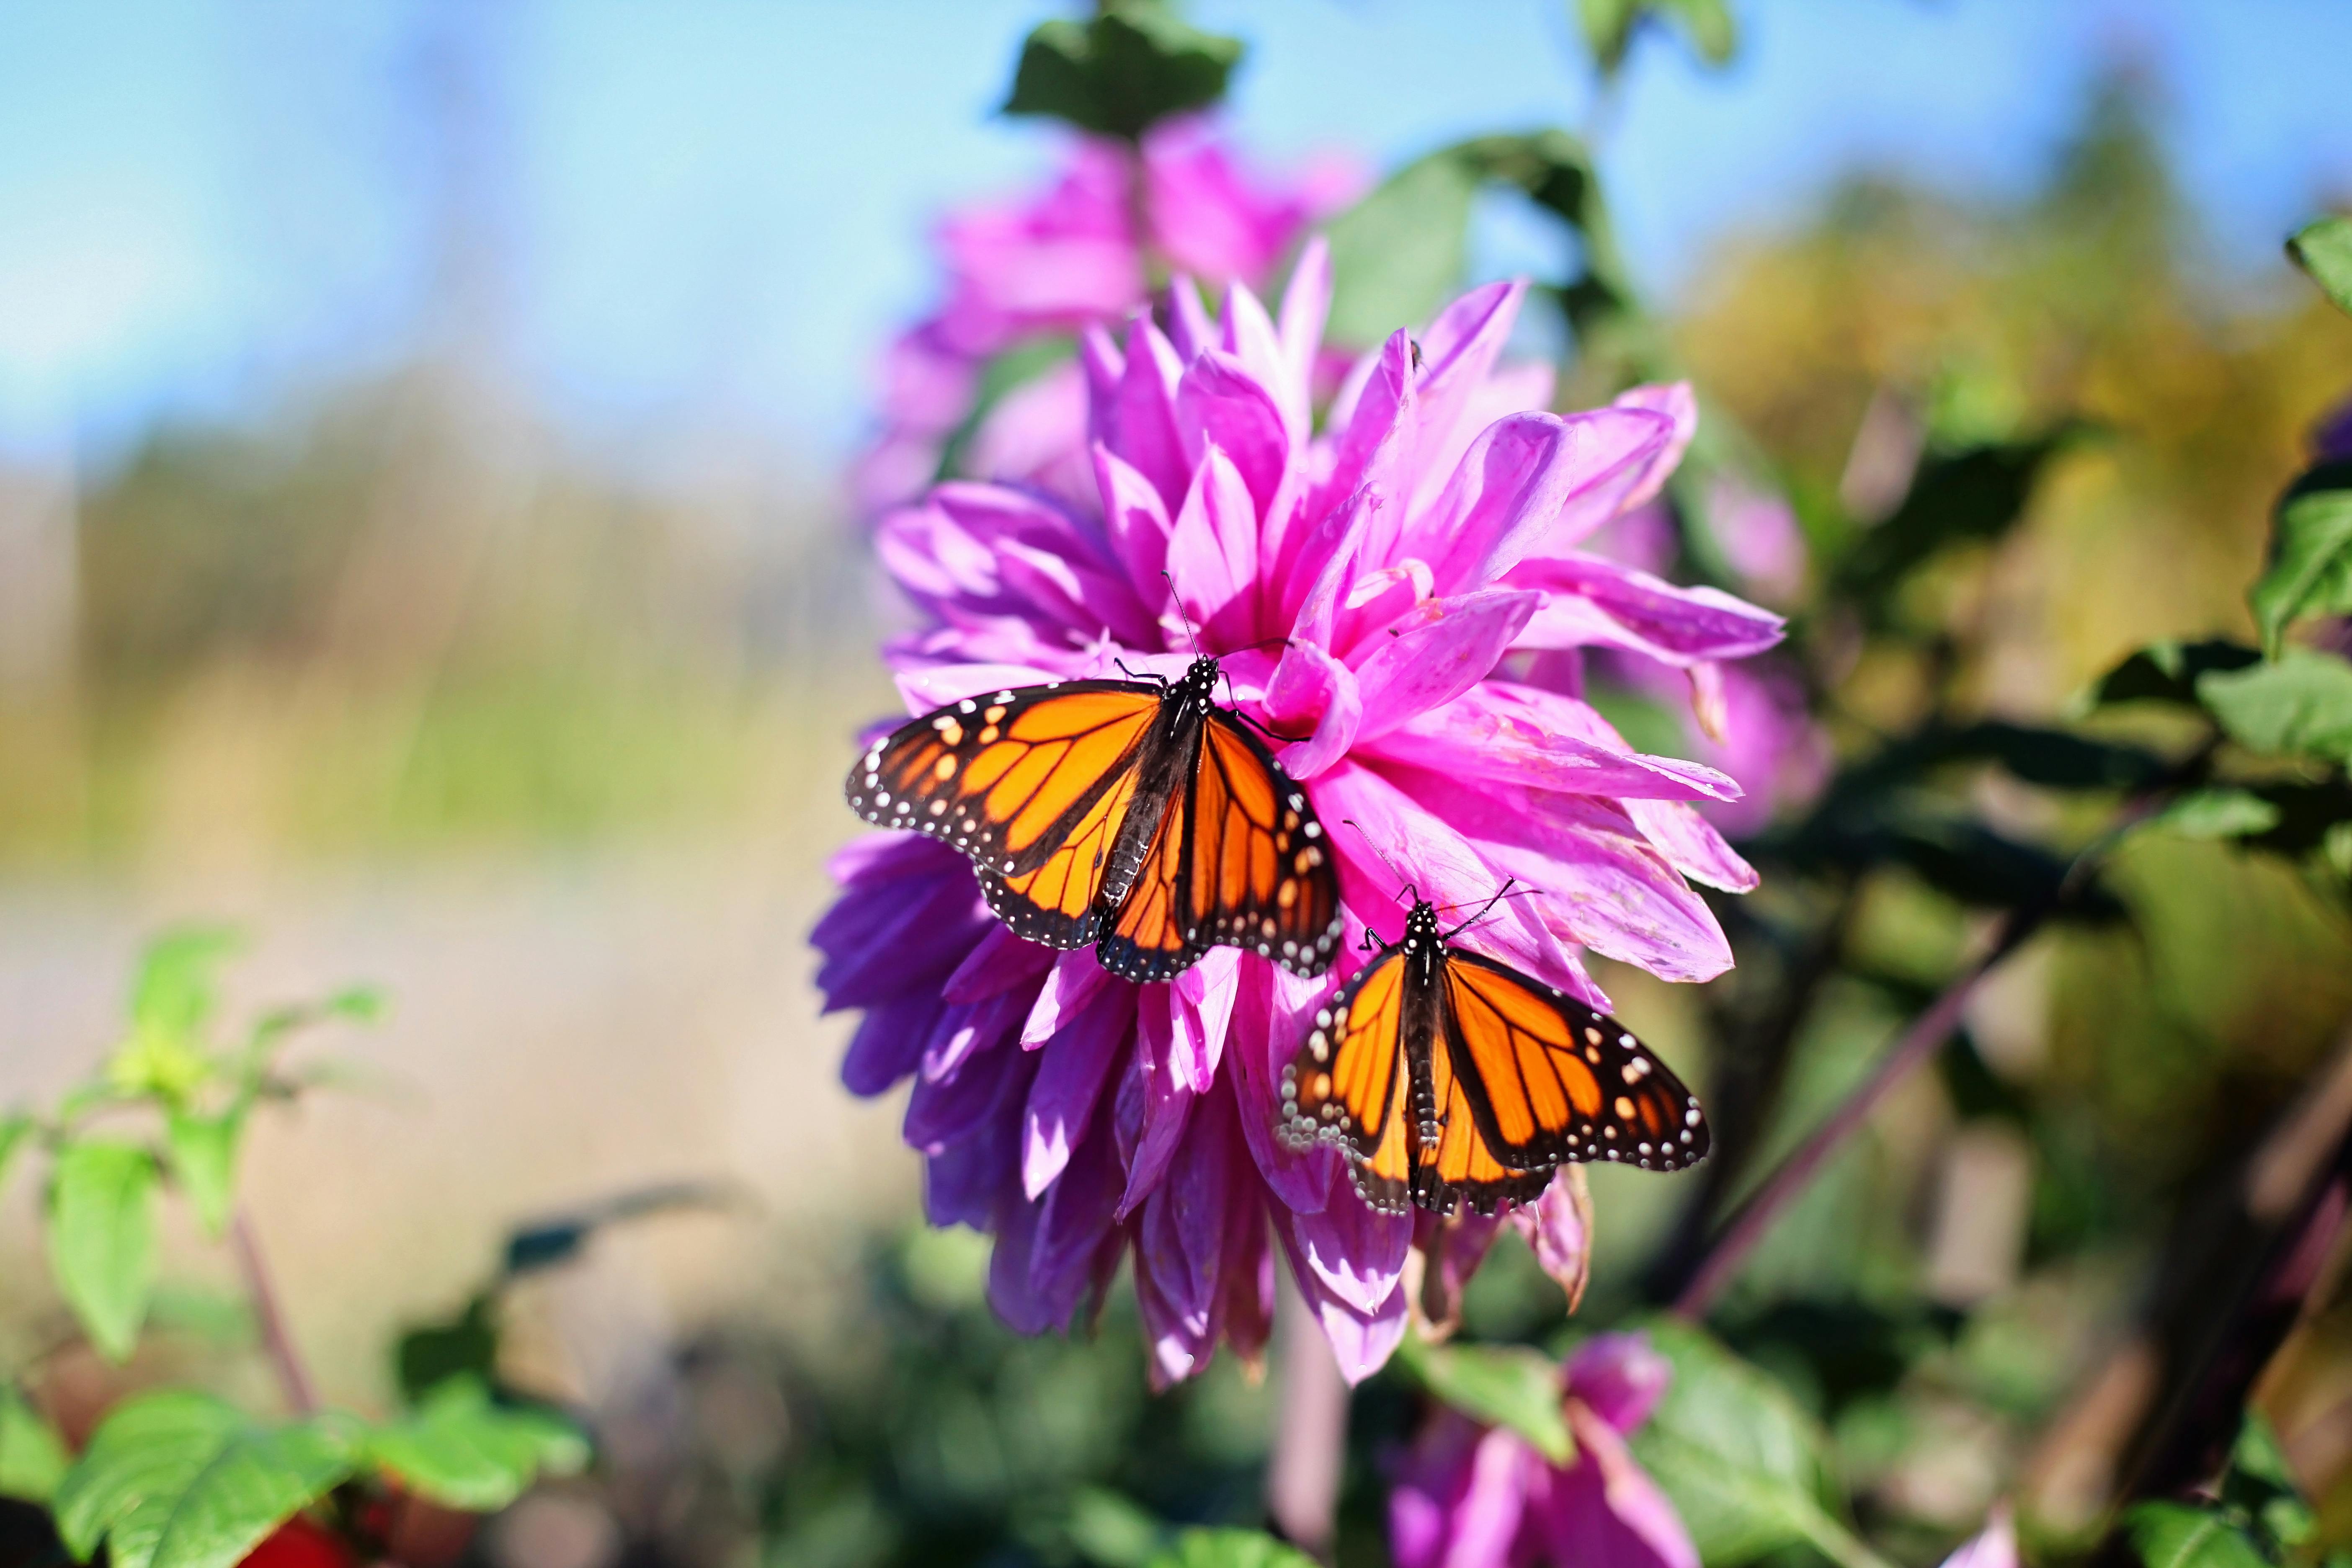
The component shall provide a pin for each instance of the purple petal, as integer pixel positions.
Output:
(1622, 1377)
(1036, 435)
(879, 946)
(1374, 417)
(1176, 1343)
(1072, 1068)
(1190, 327)
(1212, 549)
(1361, 1341)
(1246, 1295)
(925, 690)
(1994, 1547)
(1691, 844)
(889, 1043)
(999, 962)
(1674, 400)
(1541, 739)
(1604, 1511)
(1165, 1101)
(1357, 1252)
(965, 1028)
(1589, 602)
(948, 1110)
(1533, 484)
(1144, 430)
(1219, 403)
(1436, 653)
(1077, 1223)
(1559, 1226)
(966, 1182)
(1268, 1020)
(1456, 354)
(1083, 595)
(1377, 601)
(1462, 1498)
(1250, 338)
(1069, 986)
(1135, 519)
(1182, 1240)
(1311, 686)
(1201, 1006)
(1305, 305)
(1452, 1246)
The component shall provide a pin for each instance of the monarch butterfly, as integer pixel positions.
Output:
(1136, 815)
(1506, 1077)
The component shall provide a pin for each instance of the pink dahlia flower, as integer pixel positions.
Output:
(1083, 251)
(1362, 585)
(1476, 1496)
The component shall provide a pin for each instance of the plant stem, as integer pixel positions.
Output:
(276, 1342)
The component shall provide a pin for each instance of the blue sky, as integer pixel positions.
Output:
(713, 210)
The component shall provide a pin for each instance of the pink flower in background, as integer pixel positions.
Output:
(1362, 586)
(1476, 1497)
(1083, 251)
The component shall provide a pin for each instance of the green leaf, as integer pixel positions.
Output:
(32, 1456)
(461, 1451)
(2175, 1535)
(1133, 65)
(1740, 1461)
(102, 1237)
(2323, 249)
(1112, 1530)
(1609, 27)
(13, 1132)
(1397, 254)
(2301, 704)
(2261, 1486)
(360, 1004)
(1499, 1386)
(2220, 814)
(204, 1162)
(2310, 571)
(2167, 672)
(179, 1480)
(1973, 495)
(175, 990)
(1231, 1548)
(467, 1345)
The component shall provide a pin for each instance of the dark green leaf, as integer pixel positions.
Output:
(461, 1451)
(1397, 255)
(32, 1456)
(1134, 64)
(2323, 249)
(175, 990)
(1741, 1462)
(1496, 1386)
(2175, 1535)
(1975, 495)
(204, 1160)
(2299, 705)
(2260, 1486)
(1231, 1548)
(467, 1345)
(1609, 27)
(179, 1480)
(2220, 814)
(2167, 672)
(102, 1237)
(2310, 571)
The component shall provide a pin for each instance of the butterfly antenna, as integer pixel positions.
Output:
(1192, 635)
(1505, 893)
(1375, 848)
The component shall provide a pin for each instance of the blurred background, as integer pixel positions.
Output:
(422, 544)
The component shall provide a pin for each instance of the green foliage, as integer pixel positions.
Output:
(1498, 1385)
(2310, 571)
(204, 1160)
(434, 1353)
(2169, 672)
(16, 1130)
(1743, 1464)
(102, 1237)
(1610, 26)
(32, 1456)
(2299, 705)
(1975, 495)
(1133, 64)
(2259, 1486)
(2177, 1535)
(1230, 1549)
(179, 1480)
(2323, 249)
(461, 1451)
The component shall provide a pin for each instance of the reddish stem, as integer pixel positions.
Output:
(276, 1342)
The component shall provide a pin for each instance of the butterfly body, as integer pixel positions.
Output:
(1450, 1081)
(1138, 816)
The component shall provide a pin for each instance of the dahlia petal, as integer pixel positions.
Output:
(1306, 306)
(1589, 602)
(1182, 1240)
(1071, 985)
(1144, 429)
(1076, 1220)
(1311, 687)
(1620, 1377)
(997, 962)
(889, 1043)
(1605, 1511)
(1542, 740)
(1176, 1343)
(1513, 389)
(1249, 336)
(1072, 1068)
(1436, 653)
(1245, 1295)
(1457, 353)
(1533, 484)
(1136, 520)
(964, 1183)
(1267, 1027)
(946, 1110)
(1213, 552)
(1010, 1293)
(1166, 1101)
(1559, 1226)
(1691, 844)
(1378, 600)
(1220, 404)
(1994, 1547)
(1675, 402)
(1037, 434)
(1452, 1246)
(879, 947)
(1190, 328)
(1357, 1252)
(1085, 597)
(965, 1028)
(1201, 1006)
(924, 690)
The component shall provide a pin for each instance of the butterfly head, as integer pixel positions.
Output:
(1200, 683)
(1422, 934)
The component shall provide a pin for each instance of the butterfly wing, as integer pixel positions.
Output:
(1033, 783)
(1346, 1086)
(1456, 1166)
(1546, 1079)
(1260, 876)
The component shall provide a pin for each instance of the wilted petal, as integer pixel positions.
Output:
(1533, 484)
(1436, 653)
(1622, 1377)
(1592, 603)
(1559, 1226)
(1072, 1068)
(1604, 1511)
